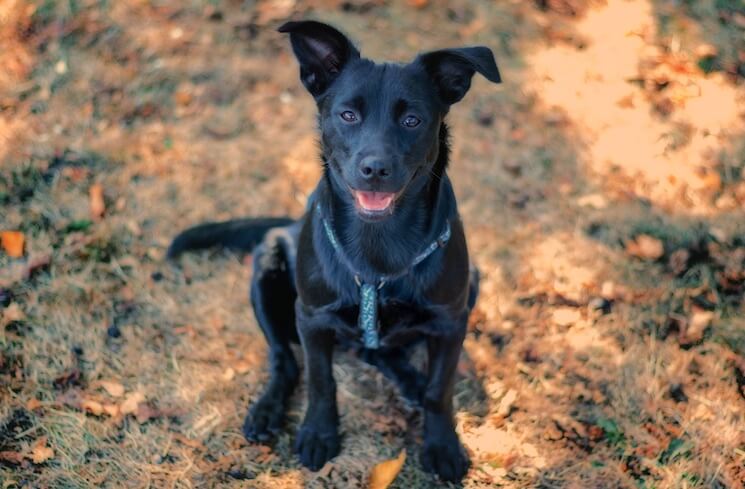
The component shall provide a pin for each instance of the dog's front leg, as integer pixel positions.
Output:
(442, 452)
(318, 438)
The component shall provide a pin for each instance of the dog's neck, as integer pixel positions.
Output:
(390, 246)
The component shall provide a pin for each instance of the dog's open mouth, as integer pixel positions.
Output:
(374, 202)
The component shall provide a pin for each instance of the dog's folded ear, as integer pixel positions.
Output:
(452, 70)
(322, 52)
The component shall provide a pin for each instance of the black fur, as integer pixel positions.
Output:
(395, 141)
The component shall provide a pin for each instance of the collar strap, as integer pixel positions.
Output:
(368, 318)
(440, 242)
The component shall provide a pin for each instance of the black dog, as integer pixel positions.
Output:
(379, 261)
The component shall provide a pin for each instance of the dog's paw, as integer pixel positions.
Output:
(449, 461)
(263, 421)
(315, 448)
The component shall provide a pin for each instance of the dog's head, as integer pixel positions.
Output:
(380, 123)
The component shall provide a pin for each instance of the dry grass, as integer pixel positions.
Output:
(585, 366)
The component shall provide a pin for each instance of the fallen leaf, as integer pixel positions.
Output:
(678, 261)
(706, 51)
(40, 452)
(626, 102)
(111, 410)
(189, 442)
(418, 3)
(645, 247)
(12, 313)
(72, 377)
(12, 243)
(272, 10)
(697, 324)
(228, 374)
(507, 402)
(33, 404)
(91, 406)
(146, 412)
(384, 473)
(97, 204)
(115, 389)
(242, 366)
(326, 469)
(566, 316)
(132, 401)
(183, 97)
(187, 330)
(11, 457)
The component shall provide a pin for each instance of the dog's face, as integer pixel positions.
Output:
(380, 123)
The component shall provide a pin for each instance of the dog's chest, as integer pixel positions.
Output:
(398, 322)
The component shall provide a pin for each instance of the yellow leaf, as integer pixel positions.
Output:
(40, 452)
(645, 247)
(91, 406)
(98, 206)
(385, 472)
(12, 242)
(131, 403)
(111, 410)
(115, 389)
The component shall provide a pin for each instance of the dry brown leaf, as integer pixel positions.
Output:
(645, 247)
(699, 321)
(97, 204)
(91, 406)
(418, 3)
(115, 389)
(384, 473)
(111, 410)
(132, 401)
(272, 10)
(146, 412)
(12, 243)
(40, 452)
(326, 469)
(228, 374)
(505, 405)
(11, 457)
(12, 313)
(566, 316)
(706, 51)
(189, 442)
(242, 366)
(33, 404)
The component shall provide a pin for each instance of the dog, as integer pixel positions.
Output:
(379, 261)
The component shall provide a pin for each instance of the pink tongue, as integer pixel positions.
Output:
(374, 201)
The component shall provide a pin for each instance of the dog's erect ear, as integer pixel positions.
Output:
(452, 70)
(322, 52)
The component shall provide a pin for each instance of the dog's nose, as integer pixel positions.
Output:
(372, 168)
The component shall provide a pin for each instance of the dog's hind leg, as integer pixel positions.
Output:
(273, 298)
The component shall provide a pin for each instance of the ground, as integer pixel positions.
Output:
(601, 185)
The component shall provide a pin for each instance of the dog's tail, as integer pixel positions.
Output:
(236, 234)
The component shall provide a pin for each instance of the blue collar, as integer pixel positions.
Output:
(368, 318)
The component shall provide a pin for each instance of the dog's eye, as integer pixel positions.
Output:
(348, 116)
(411, 121)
